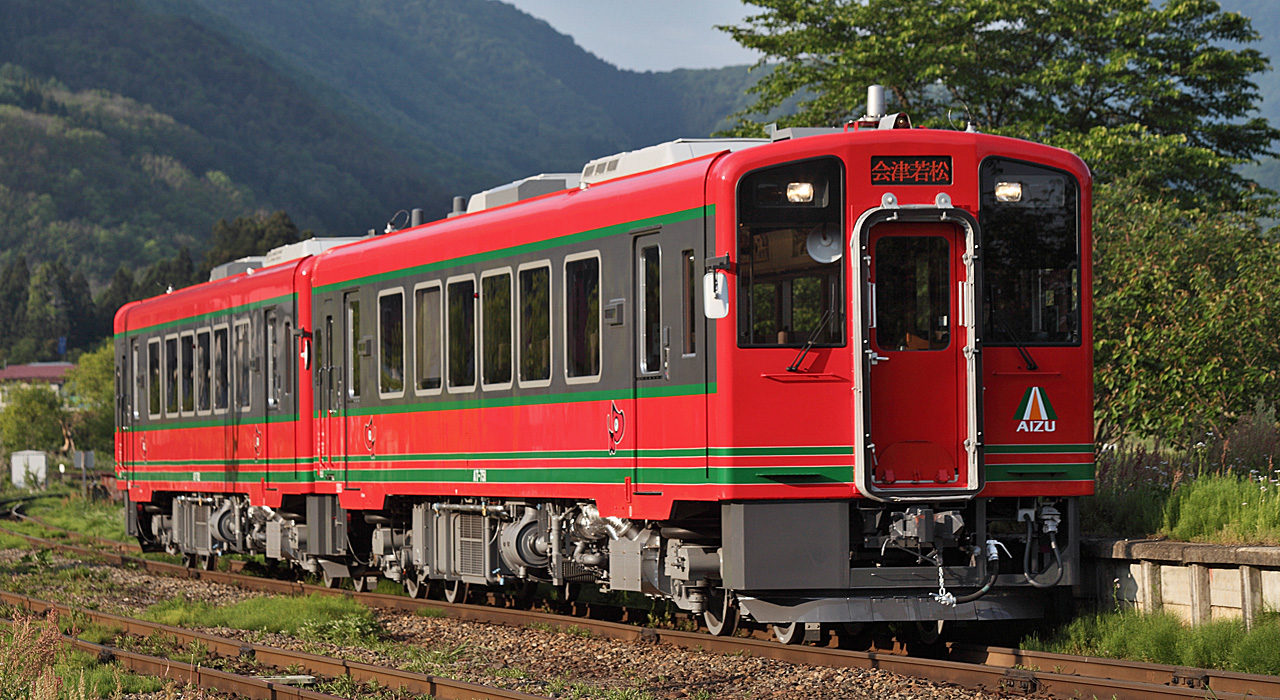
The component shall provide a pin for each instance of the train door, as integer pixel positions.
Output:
(328, 390)
(669, 411)
(132, 389)
(921, 414)
(348, 367)
(272, 390)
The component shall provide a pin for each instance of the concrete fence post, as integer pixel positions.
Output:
(1250, 594)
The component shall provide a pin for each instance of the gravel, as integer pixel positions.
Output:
(547, 662)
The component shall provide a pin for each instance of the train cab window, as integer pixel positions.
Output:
(204, 372)
(688, 295)
(582, 318)
(462, 333)
(221, 370)
(427, 325)
(790, 243)
(243, 375)
(391, 344)
(188, 343)
(286, 362)
(171, 398)
(1029, 218)
(913, 293)
(495, 330)
(354, 354)
(153, 379)
(650, 309)
(534, 325)
(138, 375)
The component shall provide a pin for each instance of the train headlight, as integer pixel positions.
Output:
(1008, 191)
(800, 192)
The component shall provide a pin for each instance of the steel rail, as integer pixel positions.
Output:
(994, 668)
(206, 678)
(420, 683)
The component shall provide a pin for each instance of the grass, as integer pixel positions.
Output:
(317, 617)
(1219, 489)
(1163, 639)
(34, 665)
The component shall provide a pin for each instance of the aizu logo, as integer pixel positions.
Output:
(1035, 414)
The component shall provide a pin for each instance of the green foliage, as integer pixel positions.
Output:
(319, 614)
(91, 389)
(1185, 315)
(1063, 66)
(32, 419)
(1162, 639)
(1223, 489)
(1229, 509)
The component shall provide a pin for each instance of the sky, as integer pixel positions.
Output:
(649, 35)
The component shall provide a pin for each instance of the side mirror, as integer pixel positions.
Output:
(715, 294)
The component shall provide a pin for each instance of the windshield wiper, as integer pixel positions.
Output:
(822, 324)
(1026, 356)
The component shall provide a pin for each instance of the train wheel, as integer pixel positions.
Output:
(789, 634)
(721, 615)
(456, 591)
(415, 588)
(330, 581)
(364, 583)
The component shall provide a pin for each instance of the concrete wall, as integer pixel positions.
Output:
(1197, 582)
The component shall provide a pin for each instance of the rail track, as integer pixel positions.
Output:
(1011, 671)
(248, 686)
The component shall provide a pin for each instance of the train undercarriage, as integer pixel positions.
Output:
(795, 565)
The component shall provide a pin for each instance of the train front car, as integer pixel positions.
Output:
(903, 412)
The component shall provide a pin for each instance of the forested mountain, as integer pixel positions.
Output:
(1265, 15)
(494, 88)
(128, 127)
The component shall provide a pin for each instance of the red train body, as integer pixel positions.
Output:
(807, 378)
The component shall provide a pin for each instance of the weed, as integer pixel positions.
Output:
(430, 612)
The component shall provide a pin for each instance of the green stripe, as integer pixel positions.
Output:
(214, 422)
(581, 237)
(1040, 472)
(211, 316)
(558, 475)
(480, 400)
(1038, 449)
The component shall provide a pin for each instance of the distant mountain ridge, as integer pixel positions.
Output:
(340, 113)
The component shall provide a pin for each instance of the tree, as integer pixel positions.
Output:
(91, 386)
(249, 235)
(1035, 68)
(33, 419)
(1186, 316)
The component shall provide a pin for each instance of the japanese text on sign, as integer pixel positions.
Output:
(911, 170)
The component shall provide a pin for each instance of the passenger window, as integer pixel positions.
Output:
(582, 317)
(535, 325)
(391, 344)
(221, 369)
(427, 325)
(462, 335)
(171, 376)
(153, 375)
(244, 395)
(188, 344)
(651, 309)
(495, 332)
(273, 367)
(353, 347)
(204, 373)
(688, 280)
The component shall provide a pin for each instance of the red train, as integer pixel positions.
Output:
(831, 376)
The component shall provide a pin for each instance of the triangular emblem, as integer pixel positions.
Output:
(1035, 406)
